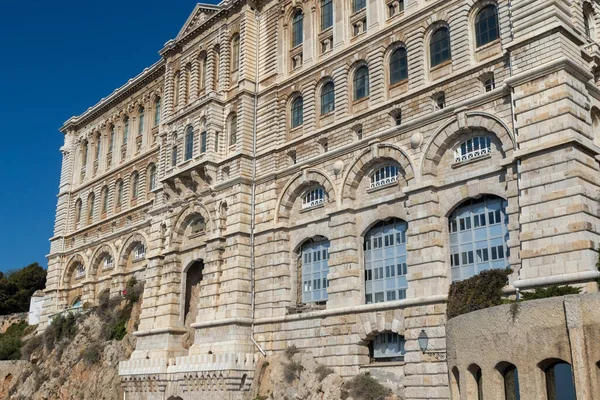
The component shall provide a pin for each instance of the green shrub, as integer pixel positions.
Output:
(290, 351)
(550, 291)
(34, 344)
(291, 371)
(63, 327)
(478, 292)
(323, 372)
(11, 341)
(91, 355)
(364, 387)
(134, 290)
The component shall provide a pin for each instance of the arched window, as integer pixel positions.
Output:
(157, 106)
(84, 153)
(361, 83)
(233, 129)
(142, 114)
(387, 346)
(327, 98)
(152, 176)
(235, 53)
(510, 377)
(473, 148)
(135, 185)
(475, 382)
(478, 234)
(486, 25)
(125, 130)
(589, 21)
(439, 46)
(139, 252)
(111, 141)
(384, 176)
(358, 5)
(202, 142)
(108, 262)
(398, 66)
(189, 143)
(198, 225)
(76, 303)
(202, 72)
(315, 256)
(176, 88)
(119, 193)
(174, 155)
(91, 204)
(79, 272)
(104, 199)
(297, 28)
(313, 198)
(78, 212)
(326, 14)
(385, 262)
(559, 380)
(297, 112)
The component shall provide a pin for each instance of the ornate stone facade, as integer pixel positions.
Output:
(317, 173)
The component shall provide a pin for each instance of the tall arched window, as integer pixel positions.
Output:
(486, 25)
(98, 146)
(385, 262)
(233, 129)
(104, 199)
(77, 212)
(297, 28)
(510, 376)
(297, 112)
(559, 381)
(203, 142)
(478, 235)
(475, 381)
(315, 257)
(125, 129)
(135, 185)
(111, 141)
(152, 177)
(141, 114)
(176, 87)
(439, 46)
(327, 98)
(589, 21)
(326, 14)
(189, 143)
(174, 155)
(235, 52)
(361, 83)
(398, 66)
(157, 106)
(84, 153)
(91, 204)
(119, 193)
(202, 71)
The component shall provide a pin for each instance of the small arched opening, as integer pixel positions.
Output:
(475, 382)
(455, 383)
(510, 378)
(559, 380)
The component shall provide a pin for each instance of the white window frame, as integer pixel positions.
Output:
(389, 346)
(473, 148)
(386, 175)
(313, 198)
(139, 252)
(109, 262)
(315, 268)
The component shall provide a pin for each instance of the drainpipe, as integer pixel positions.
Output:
(253, 196)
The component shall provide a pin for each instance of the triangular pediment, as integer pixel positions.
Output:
(201, 13)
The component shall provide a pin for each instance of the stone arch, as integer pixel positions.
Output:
(452, 201)
(71, 264)
(382, 213)
(130, 243)
(443, 138)
(372, 324)
(366, 159)
(96, 258)
(185, 216)
(299, 183)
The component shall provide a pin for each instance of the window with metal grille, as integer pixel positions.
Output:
(486, 25)
(384, 176)
(398, 66)
(439, 46)
(313, 198)
(326, 14)
(139, 252)
(489, 84)
(478, 232)
(361, 83)
(80, 271)
(108, 262)
(315, 257)
(385, 262)
(189, 143)
(297, 28)
(327, 98)
(388, 346)
(473, 148)
(297, 112)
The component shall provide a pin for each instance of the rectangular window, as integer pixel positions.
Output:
(203, 142)
(326, 14)
(358, 5)
(174, 156)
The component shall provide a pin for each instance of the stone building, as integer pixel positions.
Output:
(317, 173)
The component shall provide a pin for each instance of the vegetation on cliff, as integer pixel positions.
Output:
(17, 287)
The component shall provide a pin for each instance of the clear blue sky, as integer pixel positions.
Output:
(59, 58)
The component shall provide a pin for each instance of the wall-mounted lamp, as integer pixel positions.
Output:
(424, 343)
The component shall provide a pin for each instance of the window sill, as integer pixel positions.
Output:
(487, 45)
(471, 161)
(329, 114)
(359, 101)
(399, 83)
(399, 14)
(441, 65)
(197, 235)
(138, 260)
(311, 208)
(381, 187)
(383, 364)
